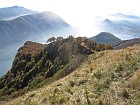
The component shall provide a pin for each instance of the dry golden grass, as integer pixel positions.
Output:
(135, 80)
(102, 80)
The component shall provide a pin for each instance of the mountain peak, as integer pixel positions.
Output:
(16, 6)
(13, 7)
(106, 38)
(7, 13)
(105, 33)
(107, 21)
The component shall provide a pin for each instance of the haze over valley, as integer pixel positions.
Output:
(19, 24)
(25, 25)
(69, 52)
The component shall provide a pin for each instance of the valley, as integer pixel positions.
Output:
(63, 54)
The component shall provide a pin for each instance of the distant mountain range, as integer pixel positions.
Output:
(122, 25)
(127, 43)
(108, 38)
(18, 24)
(31, 27)
(13, 12)
(125, 16)
(105, 38)
(68, 71)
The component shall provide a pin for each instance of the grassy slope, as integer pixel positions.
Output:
(106, 78)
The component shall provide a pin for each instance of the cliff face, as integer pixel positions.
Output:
(16, 77)
(37, 64)
(31, 47)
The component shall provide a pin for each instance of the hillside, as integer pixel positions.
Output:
(105, 38)
(124, 26)
(36, 65)
(105, 78)
(9, 13)
(36, 27)
(31, 47)
(126, 43)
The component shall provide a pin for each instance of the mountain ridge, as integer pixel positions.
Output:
(122, 25)
(7, 13)
(28, 25)
(126, 43)
(93, 82)
(37, 64)
(38, 27)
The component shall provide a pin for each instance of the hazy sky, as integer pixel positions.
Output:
(80, 13)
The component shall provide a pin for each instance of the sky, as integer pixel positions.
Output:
(83, 14)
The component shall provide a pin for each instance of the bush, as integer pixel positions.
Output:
(125, 94)
(135, 80)
(98, 74)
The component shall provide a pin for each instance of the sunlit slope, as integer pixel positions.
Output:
(106, 78)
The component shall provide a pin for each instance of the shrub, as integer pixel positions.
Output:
(135, 80)
(91, 68)
(125, 94)
(87, 96)
(98, 74)
(71, 83)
